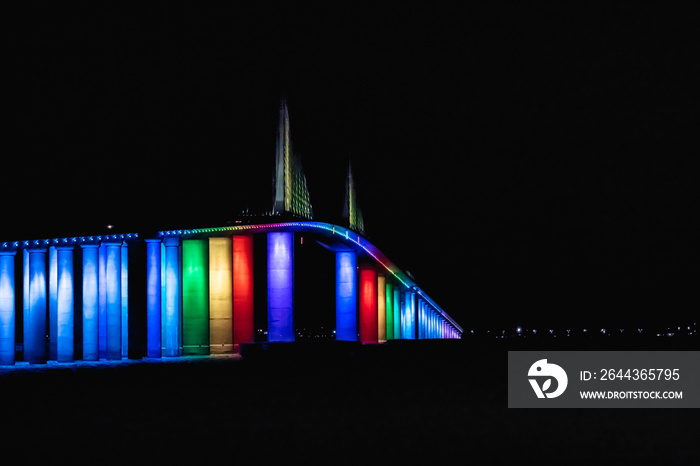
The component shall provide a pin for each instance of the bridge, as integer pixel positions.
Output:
(191, 291)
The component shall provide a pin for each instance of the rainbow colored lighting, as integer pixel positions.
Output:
(353, 239)
(199, 292)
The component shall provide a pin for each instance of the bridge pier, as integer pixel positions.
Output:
(408, 321)
(243, 291)
(113, 271)
(369, 321)
(7, 307)
(195, 296)
(35, 324)
(172, 317)
(53, 303)
(381, 308)
(280, 287)
(65, 304)
(346, 296)
(91, 303)
(220, 295)
(389, 298)
(125, 298)
(397, 312)
(153, 298)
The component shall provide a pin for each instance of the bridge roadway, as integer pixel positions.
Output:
(199, 286)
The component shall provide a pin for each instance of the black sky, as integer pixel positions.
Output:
(525, 163)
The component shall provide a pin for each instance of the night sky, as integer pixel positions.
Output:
(527, 165)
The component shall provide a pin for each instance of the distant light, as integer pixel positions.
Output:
(110, 226)
(519, 329)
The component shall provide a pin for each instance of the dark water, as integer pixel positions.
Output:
(424, 403)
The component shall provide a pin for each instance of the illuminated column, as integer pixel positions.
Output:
(125, 299)
(431, 321)
(102, 299)
(280, 286)
(7, 307)
(25, 303)
(172, 296)
(53, 303)
(35, 346)
(153, 302)
(65, 304)
(368, 305)
(346, 296)
(421, 319)
(90, 302)
(389, 296)
(411, 315)
(243, 292)
(220, 295)
(403, 315)
(404, 304)
(195, 296)
(381, 308)
(113, 284)
(397, 312)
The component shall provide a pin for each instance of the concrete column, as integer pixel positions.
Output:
(172, 297)
(153, 302)
(125, 298)
(381, 308)
(397, 312)
(53, 303)
(65, 304)
(102, 296)
(113, 283)
(389, 296)
(195, 296)
(35, 348)
(411, 315)
(7, 307)
(423, 319)
(346, 296)
(221, 326)
(90, 302)
(243, 291)
(280, 287)
(369, 326)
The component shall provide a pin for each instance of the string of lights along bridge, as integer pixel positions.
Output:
(191, 292)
